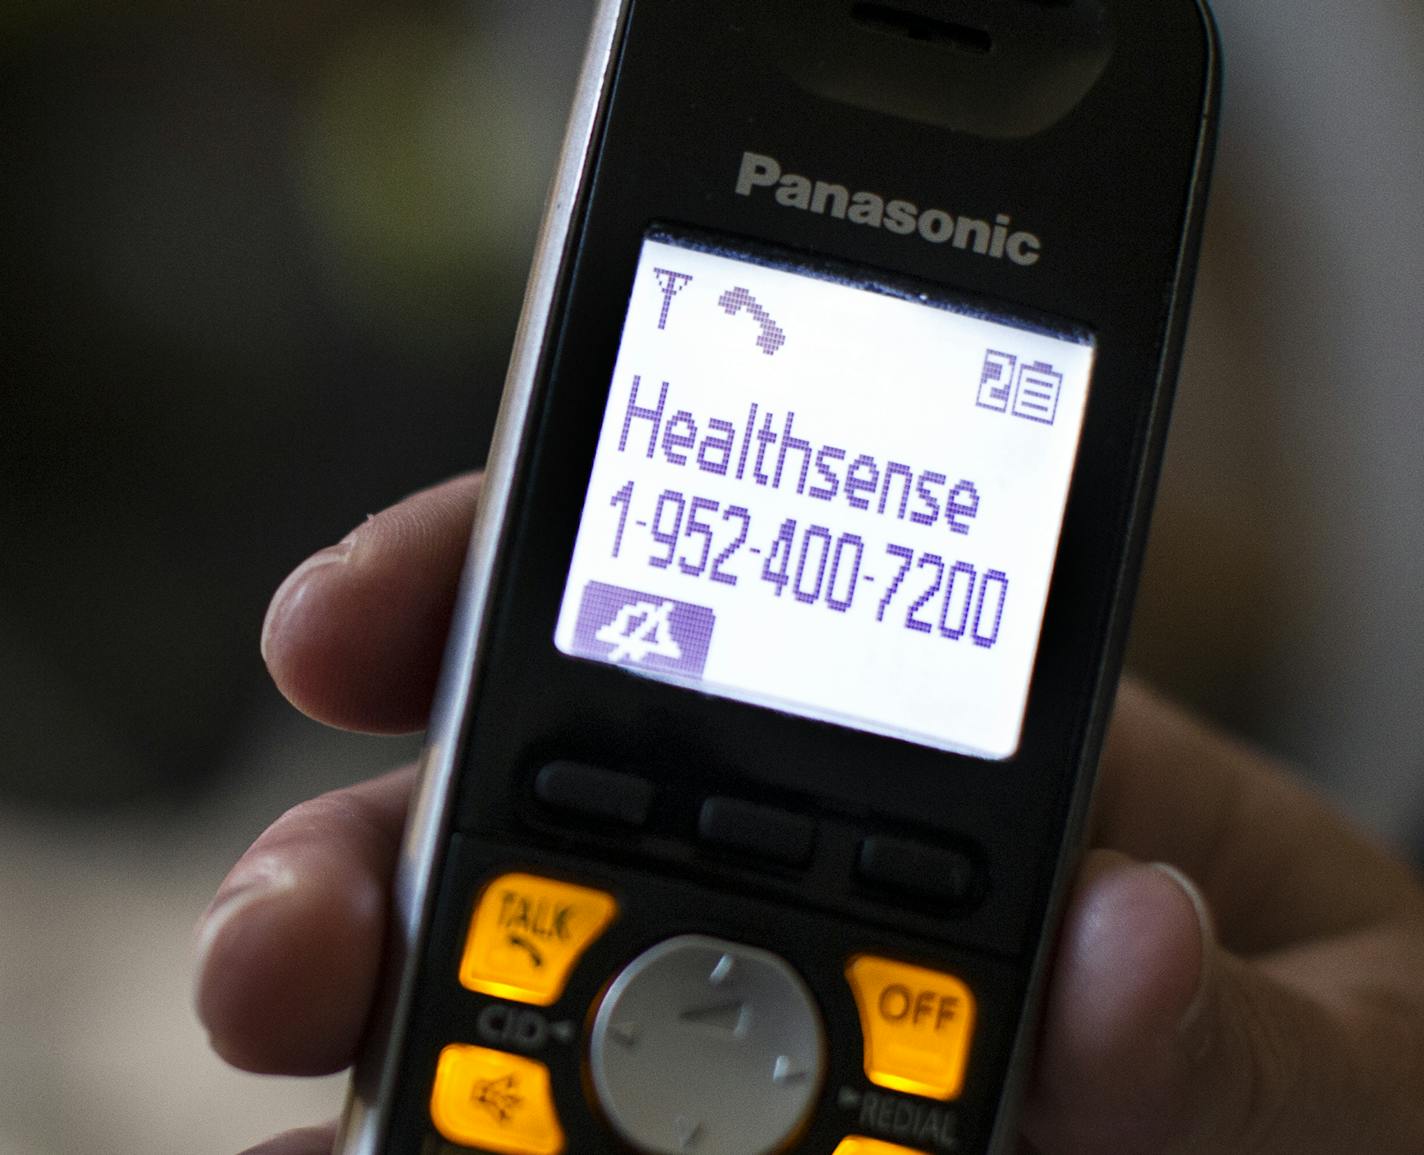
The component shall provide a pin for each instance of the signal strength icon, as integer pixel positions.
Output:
(671, 283)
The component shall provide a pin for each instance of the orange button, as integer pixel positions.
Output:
(858, 1145)
(526, 935)
(498, 1102)
(917, 1024)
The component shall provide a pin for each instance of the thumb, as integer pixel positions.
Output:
(307, 1141)
(1157, 1041)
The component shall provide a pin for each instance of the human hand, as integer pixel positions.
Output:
(1260, 991)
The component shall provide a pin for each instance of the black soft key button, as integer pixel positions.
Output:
(919, 871)
(761, 830)
(595, 792)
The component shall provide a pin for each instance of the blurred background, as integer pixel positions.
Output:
(260, 263)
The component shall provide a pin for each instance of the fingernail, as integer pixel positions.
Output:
(257, 881)
(1192, 1017)
(280, 605)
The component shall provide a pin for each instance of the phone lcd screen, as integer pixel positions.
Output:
(827, 496)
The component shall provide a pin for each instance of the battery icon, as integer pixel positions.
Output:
(1036, 398)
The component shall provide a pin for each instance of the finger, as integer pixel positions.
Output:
(1276, 863)
(353, 637)
(1159, 1042)
(289, 950)
(306, 1141)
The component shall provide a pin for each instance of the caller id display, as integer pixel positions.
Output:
(827, 497)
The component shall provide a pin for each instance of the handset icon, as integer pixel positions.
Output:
(772, 337)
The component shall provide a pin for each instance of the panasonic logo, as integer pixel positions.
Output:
(997, 239)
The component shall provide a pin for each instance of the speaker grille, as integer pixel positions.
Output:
(917, 26)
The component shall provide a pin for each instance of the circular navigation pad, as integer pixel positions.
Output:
(707, 1047)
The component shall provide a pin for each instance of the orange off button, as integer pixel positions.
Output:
(917, 1024)
(527, 934)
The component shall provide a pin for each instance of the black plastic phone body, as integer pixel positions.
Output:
(1089, 124)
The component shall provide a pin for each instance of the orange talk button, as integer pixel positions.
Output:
(858, 1145)
(917, 1024)
(494, 1101)
(527, 934)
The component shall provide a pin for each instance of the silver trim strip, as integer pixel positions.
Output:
(373, 1085)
